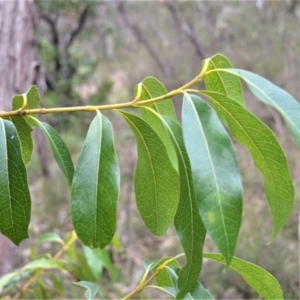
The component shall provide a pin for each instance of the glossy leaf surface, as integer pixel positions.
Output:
(267, 154)
(95, 186)
(156, 180)
(58, 147)
(15, 202)
(272, 95)
(189, 226)
(259, 279)
(215, 171)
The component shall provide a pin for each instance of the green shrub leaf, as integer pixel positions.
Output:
(152, 88)
(274, 96)
(91, 289)
(96, 185)
(267, 154)
(216, 174)
(188, 223)
(24, 133)
(259, 279)
(58, 147)
(225, 83)
(44, 263)
(15, 202)
(156, 180)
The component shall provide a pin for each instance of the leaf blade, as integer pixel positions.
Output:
(156, 181)
(15, 202)
(215, 171)
(58, 147)
(258, 138)
(259, 279)
(95, 187)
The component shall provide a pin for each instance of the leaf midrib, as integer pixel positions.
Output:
(214, 172)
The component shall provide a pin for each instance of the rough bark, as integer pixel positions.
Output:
(19, 69)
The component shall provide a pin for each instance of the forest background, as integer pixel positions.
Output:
(93, 52)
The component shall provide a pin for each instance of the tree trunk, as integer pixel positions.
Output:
(19, 69)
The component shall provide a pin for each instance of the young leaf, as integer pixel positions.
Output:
(267, 154)
(223, 82)
(152, 88)
(15, 202)
(44, 263)
(91, 289)
(33, 99)
(215, 170)
(188, 223)
(58, 147)
(259, 279)
(156, 181)
(95, 186)
(272, 95)
(24, 133)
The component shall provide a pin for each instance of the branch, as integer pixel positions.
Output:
(54, 40)
(186, 29)
(80, 24)
(140, 37)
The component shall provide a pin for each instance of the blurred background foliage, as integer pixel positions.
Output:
(94, 52)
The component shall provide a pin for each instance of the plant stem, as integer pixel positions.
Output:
(34, 278)
(88, 108)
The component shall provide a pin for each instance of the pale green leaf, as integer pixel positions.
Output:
(259, 279)
(15, 202)
(24, 133)
(272, 95)
(156, 180)
(50, 237)
(223, 82)
(153, 88)
(216, 175)
(44, 263)
(95, 186)
(188, 223)
(58, 147)
(267, 154)
(91, 289)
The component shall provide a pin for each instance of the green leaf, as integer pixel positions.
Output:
(259, 279)
(49, 237)
(188, 223)
(44, 263)
(272, 95)
(33, 99)
(215, 171)
(156, 181)
(96, 185)
(153, 88)
(163, 277)
(223, 82)
(24, 133)
(15, 202)
(91, 289)
(58, 147)
(267, 154)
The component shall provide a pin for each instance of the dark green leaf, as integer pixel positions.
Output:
(58, 147)
(15, 202)
(188, 223)
(272, 95)
(259, 279)
(156, 181)
(215, 170)
(91, 289)
(266, 153)
(96, 185)
(24, 133)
